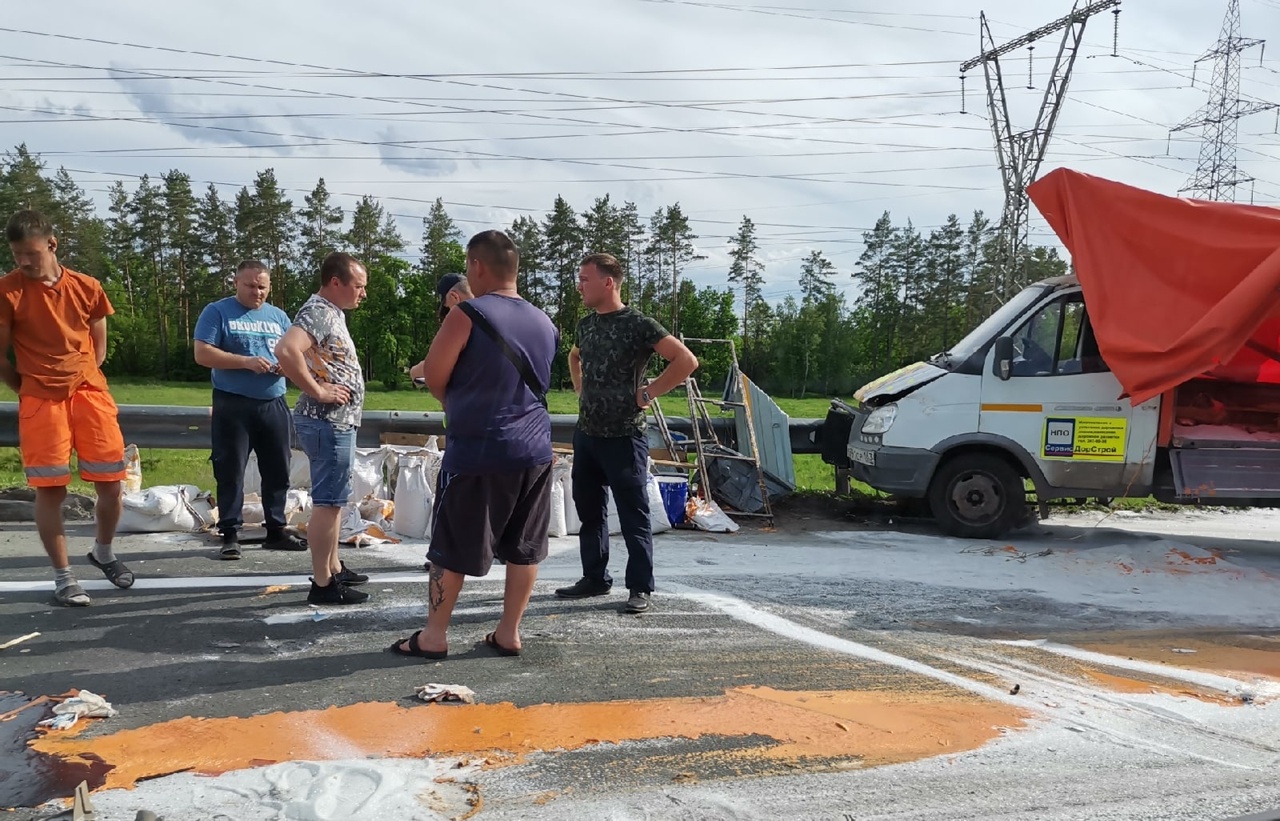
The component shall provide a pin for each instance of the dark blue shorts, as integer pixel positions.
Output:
(332, 452)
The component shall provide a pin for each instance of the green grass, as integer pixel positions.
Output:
(173, 466)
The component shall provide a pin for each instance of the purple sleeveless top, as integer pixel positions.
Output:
(494, 423)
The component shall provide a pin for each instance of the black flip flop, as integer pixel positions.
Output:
(415, 650)
(115, 571)
(491, 641)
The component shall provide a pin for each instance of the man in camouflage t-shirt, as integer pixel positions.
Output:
(318, 355)
(610, 450)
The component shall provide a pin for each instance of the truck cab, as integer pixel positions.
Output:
(1153, 370)
(1028, 399)
(1025, 396)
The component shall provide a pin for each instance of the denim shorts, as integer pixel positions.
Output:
(331, 452)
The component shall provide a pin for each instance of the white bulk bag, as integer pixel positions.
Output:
(299, 472)
(167, 509)
(367, 480)
(413, 498)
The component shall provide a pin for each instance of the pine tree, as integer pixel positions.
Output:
(442, 252)
(816, 316)
(981, 273)
(278, 230)
(654, 263)
(23, 185)
(148, 214)
(535, 285)
(677, 239)
(249, 231)
(179, 224)
(562, 245)
(945, 264)
(319, 228)
(747, 271)
(80, 232)
(880, 292)
(815, 278)
(215, 243)
(631, 233)
(372, 234)
(121, 239)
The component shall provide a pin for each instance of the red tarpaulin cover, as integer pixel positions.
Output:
(1175, 288)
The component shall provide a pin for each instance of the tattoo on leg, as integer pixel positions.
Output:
(436, 586)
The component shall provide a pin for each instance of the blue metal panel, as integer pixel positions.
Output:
(772, 428)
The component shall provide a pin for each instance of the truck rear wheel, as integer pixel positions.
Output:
(977, 496)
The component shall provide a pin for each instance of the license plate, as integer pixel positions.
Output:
(862, 457)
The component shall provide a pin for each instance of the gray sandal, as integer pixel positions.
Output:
(114, 570)
(71, 595)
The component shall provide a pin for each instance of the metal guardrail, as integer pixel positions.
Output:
(172, 426)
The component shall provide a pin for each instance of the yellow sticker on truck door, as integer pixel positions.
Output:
(1087, 438)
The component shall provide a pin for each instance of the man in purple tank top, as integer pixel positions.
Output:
(493, 499)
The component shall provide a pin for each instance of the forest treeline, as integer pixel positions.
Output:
(164, 249)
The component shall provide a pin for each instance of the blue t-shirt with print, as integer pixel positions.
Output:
(231, 327)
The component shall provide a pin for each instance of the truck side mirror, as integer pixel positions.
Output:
(1002, 365)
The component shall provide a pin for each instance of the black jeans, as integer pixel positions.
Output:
(621, 464)
(239, 425)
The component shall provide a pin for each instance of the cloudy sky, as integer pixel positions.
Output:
(810, 116)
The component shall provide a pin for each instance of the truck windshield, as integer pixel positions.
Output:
(982, 335)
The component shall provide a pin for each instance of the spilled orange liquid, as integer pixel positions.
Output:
(1223, 656)
(874, 728)
(1125, 684)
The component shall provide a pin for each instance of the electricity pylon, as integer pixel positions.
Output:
(1020, 153)
(1217, 177)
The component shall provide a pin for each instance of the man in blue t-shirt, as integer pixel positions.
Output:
(236, 338)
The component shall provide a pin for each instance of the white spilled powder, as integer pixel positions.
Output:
(1218, 581)
(742, 611)
(347, 790)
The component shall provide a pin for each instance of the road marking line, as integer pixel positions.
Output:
(742, 611)
(1260, 686)
(215, 582)
(419, 576)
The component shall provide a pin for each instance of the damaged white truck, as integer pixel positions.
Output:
(1154, 370)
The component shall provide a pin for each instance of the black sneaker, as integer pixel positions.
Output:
(335, 592)
(350, 577)
(637, 603)
(283, 541)
(584, 588)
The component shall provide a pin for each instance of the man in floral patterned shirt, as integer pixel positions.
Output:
(318, 355)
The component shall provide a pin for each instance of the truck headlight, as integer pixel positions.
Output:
(880, 420)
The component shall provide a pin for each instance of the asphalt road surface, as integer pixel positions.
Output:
(828, 668)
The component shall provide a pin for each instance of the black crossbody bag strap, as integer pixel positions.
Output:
(522, 365)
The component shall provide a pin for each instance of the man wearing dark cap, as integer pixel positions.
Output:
(452, 289)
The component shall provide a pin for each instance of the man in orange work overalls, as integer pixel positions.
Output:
(56, 322)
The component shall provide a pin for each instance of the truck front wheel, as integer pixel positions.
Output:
(977, 496)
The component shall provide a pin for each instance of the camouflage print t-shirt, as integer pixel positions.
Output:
(615, 349)
(332, 359)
